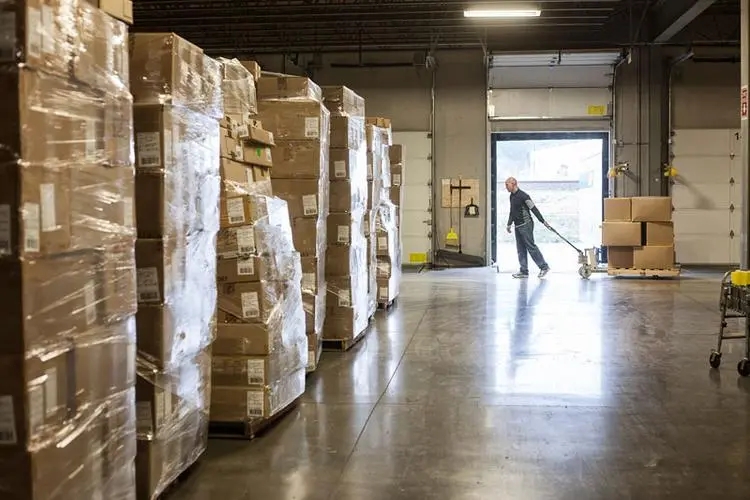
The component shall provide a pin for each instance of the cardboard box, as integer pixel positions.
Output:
(241, 404)
(652, 209)
(100, 57)
(617, 209)
(620, 257)
(347, 197)
(296, 120)
(313, 275)
(347, 164)
(397, 175)
(243, 210)
(347, 132)
(256, 135)
(397, 197)
(342, 101)
(257, 155)
(117, 277)
(387, 290)
(288, 87)
(277, 267)
(304, 197)
(231, 147)
(621, 234)
(153, 259)
(119, 9)
(247, 371)
(346, 229)
(659, 233)
(653, 257)
(396, 154)
(248, 302)
(345, 260)
(257, 339)
(315, 311)
(239, 178)
(310, 236)
(300, 160)
(254, 69)
(261, 238)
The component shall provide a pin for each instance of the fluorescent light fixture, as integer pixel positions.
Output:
(501, 12)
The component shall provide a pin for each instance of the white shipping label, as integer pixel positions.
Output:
(7, 421)
(49, 30)
(242, 131)
(159, 409)
(49, 218)
(5, 245)
(310, 204)
(256, 372)
(250, 305)
(50, 393)
(7, 36)
(308, 281)
(339, 169)
(168, 149)
(383, 293)
(246, 240)
(167, 401)
(89, 297)
(144, 421)
(239, 153)
(345, 298)
(236, 210)
(36, 408)
(34, 32)
(384, 269)
(245, 267)
(255, 404)
(148, 284)
(312, 128)
(396, 179)
(31, 227)
(311, 360)
(127, 212)
(344, 234)
(268, 155)
(149, 149)
(382, 243)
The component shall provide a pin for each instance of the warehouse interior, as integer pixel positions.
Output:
(268, 249)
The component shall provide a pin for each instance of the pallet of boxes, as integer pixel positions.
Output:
(292, 109)
(67, 256)
(260, 353)
(392, 270)
(639, 236)
(348, 304)
(177, 107)
(385, 242)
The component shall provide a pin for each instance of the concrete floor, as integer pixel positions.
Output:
(481, 387)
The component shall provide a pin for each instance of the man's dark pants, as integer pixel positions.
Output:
(526, 246)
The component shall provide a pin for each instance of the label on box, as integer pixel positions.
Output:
(310, 204)
(384, 269)
(256, 372)
(308, 281)
(168, 145)
(396, 179)
(239, 153)
(149, 149)
(159, 408)
(89, 297)
(49, 219)
(242, 131)
(5, 246)
(36, 408)
(31, 227)
(382, 243)
(344, 234)
(345, 298)
(236, 210)
(245, 240)
(7, 421)
(312, 128)
(144, 424)
(127, 212)
(250, 305)
(255, 404)
(148, 284)
(49, 30)
(311, 360)
(7, 35)
(383, 293)
(33, 32)
(245, 267)
(50, 393)
(339, 169)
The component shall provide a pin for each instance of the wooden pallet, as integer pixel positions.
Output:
(342, 345)
(250, 429)
(644, 273)
(386, 306)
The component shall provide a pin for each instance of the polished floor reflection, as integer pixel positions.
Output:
(480, 387)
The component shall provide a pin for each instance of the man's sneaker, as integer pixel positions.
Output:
(520, 276)
(543, 272)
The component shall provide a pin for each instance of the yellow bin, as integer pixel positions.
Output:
(740, 278)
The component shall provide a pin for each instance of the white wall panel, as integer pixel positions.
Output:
(552, 103)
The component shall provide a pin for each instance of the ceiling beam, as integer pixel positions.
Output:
(672, 16)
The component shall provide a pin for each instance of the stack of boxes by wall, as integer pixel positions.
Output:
(638, 233)
(348, 302)
(260, 353)
(177, 107)
(292, 109)
(385, 242)
(67, 265)
(392, 270)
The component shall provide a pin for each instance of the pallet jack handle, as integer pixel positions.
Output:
(564, 239)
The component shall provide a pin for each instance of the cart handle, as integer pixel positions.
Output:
(564, 239)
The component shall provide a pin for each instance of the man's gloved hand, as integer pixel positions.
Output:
(508, 229)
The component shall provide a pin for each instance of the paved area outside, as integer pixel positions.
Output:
(481, 387)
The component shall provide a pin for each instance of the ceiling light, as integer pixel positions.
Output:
(501, 13)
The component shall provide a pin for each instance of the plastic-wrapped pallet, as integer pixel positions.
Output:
(67, 263)
(178, 105)
(388, 251)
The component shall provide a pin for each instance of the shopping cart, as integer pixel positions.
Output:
(588, 258)
(734, 303)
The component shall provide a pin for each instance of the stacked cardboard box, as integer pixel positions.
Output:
(292, 108)
(347, 276)
(178, 105)
(260, 354)
(639, 233)
(67, 268)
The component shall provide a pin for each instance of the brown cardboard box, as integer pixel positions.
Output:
(652, 209)
(152, 204)
(347, 132)
(300, 160)
(304, 197)
(387, 290)
(347, 197)
(620, 257)
(396, 154)
(240, 404)
(153, 258)
(653, 257)
(240, 270)
(396, 196)
(243, 210)
(315, 311)
(117, 278)
(659, 233)
(313, 274)
(342, 101)
(231, 147)
(163, 340)
(240, 178)
(347, 164)
(309, 236)
(300, 120)
(345, 229)
(257, 135)
(621, 234)
(345, 260)
(238, 370)
(119, 9)
(287, 87)
(154, 148)
(248, 339)
(248, 302)
(397, 174)
(617, 209)
(100, 59)
(254, 68)
(257, 155)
